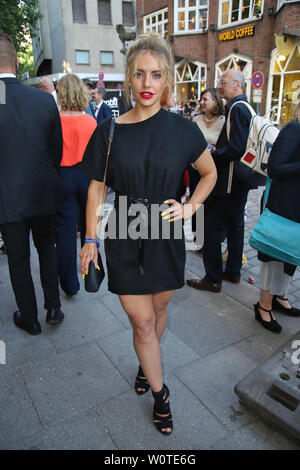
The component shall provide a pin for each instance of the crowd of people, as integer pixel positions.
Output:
(53, 161)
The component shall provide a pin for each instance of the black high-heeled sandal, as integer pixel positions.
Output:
(272, 325)
(162, 417)
(141, 382)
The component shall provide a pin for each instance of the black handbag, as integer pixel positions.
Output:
(95, 276)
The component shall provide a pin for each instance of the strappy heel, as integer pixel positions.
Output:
(162, 417)
(141, 382)
(272, 325)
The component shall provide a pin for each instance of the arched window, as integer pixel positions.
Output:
(237, 62)
(190, 80)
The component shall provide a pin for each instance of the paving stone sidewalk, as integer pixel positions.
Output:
(72, 386)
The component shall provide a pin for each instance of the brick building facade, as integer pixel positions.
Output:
(210, 36)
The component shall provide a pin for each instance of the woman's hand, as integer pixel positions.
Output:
(177, 211)
(88, 253)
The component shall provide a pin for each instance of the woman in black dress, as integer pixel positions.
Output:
(283, 199)
(151, 149)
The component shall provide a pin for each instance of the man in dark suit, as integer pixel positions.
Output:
(102, 110)
(30, 190)
(224, 208)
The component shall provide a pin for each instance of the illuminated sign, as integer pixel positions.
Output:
(237, 33)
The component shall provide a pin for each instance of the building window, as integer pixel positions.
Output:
(82, 57)
(106, 58)
(280, 3)
(104, 11)
(239, 11)
(284, 84)
(157, 22)
(128, 13)
(190, 16)
(237, 62)
(190, 80)
(79, 11)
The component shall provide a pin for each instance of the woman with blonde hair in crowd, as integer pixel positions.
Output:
(77, 128)
(150, 150)
(283, 199)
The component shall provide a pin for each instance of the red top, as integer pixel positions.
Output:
(77, 131)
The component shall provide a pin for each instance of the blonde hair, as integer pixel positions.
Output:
(72, 94)
(160, 49)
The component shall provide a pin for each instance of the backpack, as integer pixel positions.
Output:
(262, 135)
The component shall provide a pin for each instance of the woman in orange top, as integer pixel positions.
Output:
(77, 128)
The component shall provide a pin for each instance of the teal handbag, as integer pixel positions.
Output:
(276, 236)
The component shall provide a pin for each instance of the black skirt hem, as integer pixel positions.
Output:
(153, 291)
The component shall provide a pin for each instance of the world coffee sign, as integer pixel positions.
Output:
(237, 33)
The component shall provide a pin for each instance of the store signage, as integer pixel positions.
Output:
(257, 79)
(237, 33)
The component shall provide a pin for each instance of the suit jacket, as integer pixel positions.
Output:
(104, 112)
(227, 151)
(30, 153)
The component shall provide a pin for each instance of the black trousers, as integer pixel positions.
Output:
(16, 238)
(224, 216)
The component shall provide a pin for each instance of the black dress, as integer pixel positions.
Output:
(284, 170)
(147, 163)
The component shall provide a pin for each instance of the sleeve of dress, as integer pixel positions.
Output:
(197, 143)
(284, 160)
(94, 158)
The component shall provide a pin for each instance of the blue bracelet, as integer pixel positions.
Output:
(91, 240)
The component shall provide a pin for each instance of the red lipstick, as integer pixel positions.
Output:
(146, 95)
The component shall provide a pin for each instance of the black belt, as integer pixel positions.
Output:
(147, 202)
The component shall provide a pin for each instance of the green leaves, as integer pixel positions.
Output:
(19, 18)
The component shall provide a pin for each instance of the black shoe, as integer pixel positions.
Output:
(33, 329)
(272, 325)
(292, 312)
(231, 277)
(162, 416)
(141, 384)
(54, 316)
(204, 284)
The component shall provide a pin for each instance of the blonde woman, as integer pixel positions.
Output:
(77, 128)
(151, 149)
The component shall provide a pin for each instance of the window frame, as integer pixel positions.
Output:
(79, 21)
(252, 16)
(156, 23)
(82, 63)
(107, 52)
(187, 9)
(130, 3)
(110, 17)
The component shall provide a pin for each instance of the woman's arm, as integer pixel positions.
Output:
(207, 169)
(89, 251)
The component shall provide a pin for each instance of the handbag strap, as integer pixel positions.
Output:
(104, 189)
(267, 191)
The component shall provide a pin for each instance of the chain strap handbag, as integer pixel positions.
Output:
(95, 276)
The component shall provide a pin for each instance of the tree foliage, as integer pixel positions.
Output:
(19, 18)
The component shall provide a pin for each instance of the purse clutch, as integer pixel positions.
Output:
(276, 236)
(95, 276)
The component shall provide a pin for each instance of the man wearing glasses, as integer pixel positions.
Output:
(224, 208)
